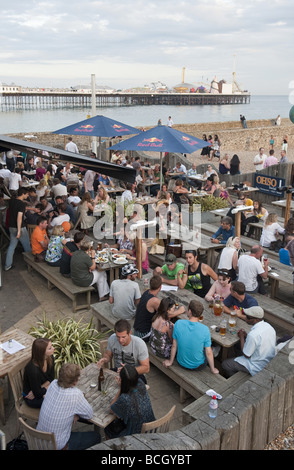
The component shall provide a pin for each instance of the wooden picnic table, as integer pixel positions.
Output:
(184, 296)
(111, 266)
(248, 189)
(7, 360)
(279, 273)
(282, 203)
(115, 189)
(200, 241)
(30, 184)
(100, 401)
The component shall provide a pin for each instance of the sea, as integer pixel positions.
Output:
(51, 119)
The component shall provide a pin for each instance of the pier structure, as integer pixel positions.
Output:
(35, 100)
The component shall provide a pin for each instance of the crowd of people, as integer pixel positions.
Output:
(54, 208)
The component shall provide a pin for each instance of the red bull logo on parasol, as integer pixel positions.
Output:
(119, 128)
(151, 142)
(189, 141)
(85, 128)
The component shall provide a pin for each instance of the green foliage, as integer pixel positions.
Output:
(73, 341)
(210, 203)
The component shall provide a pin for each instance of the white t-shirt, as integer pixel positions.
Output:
(249, 267)
(259, 347)
(124, 293)
(71, 147)
(4, 173)
(181, 169)
(14, 180)
(59, 190)
(60, 219)
(268, 234)
(259, 159)
(226, 258)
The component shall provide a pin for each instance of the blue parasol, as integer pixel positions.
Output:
(98, 126)
(162, 139)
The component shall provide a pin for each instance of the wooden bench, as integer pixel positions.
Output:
(198, 407)
(64, 284)
(102, 311)
(196, 383)
(276, 312)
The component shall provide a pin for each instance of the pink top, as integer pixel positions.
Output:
(145, 263)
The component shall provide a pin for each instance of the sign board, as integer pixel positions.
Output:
(269, 184)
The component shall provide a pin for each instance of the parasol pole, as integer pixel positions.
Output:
(288, 206)
(160, 183)
(138, 245)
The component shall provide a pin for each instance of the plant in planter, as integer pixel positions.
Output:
(73, 341)
(209, 203)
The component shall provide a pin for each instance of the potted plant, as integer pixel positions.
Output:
(73, 341)
(208, 203)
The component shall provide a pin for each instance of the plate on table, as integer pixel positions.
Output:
(101, 259)
(118, 255)
(120, 261)
(102, 253)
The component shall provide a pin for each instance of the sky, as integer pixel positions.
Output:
(130, 43)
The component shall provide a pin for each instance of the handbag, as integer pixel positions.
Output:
(17, 444)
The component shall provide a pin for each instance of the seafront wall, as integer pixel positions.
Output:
(231, 134)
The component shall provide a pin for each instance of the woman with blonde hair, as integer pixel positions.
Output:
(41, 189)
(102, 195)
(229, 257)
(55, 246)
(271, 230)
(40, 171)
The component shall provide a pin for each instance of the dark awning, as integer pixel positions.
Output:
(109, 169)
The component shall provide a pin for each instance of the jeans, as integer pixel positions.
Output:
(231, 367)
(83, 440)
(24, 240)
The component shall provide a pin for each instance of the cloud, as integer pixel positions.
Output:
(119, 40)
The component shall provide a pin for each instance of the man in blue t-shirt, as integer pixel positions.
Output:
(239, 299)
(225, 231)
(192, 341)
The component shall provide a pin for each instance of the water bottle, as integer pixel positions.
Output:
(212, 413)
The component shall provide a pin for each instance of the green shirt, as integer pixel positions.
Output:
(172, 274)
(79, 269)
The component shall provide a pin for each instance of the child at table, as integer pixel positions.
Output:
(220, 287)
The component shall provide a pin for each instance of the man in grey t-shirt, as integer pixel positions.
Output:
(125, 348)
(125, 293)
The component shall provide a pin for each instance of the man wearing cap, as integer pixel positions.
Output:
(258, 346)
(125, 294)
(169, 270)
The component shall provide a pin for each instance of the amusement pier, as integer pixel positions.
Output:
(73, 99)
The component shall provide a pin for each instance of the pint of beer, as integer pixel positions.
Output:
(232, 319)
(223, 327)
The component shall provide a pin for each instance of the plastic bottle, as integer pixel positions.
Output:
(212, 413)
